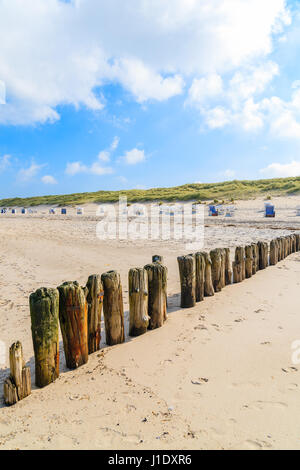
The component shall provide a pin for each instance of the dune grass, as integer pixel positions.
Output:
(229, 190)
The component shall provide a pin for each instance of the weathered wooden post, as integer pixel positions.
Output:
(238, 265)
(138, 301)
(216, 269)
(157, 259)
(279, 248)
(208, 284)
(200, 276)
(187, 271)
(113, 308)
(248, 261)
(18, 385)
(273, 252)
(297, 242)
(44, 311)
(73, 324)
(157, 305)
(288, 245)
(223, 267)
(263, 255)
(294, 243)
(284, 245)
(255, 257)
(228, 269)
(94, 297)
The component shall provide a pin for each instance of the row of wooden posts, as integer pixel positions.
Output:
(78, 310)
(202, 274)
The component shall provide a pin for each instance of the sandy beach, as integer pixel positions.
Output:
(217, 376)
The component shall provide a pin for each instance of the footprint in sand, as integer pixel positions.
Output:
(289, 370)
(261, 405)
(257, 445)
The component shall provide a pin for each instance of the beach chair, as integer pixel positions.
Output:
(52, 211)
(64, 211)
(229, 211)
(14, 211)
(213, 211)
(23, 211)
(269, 210)
(298, 211)
(79, 211)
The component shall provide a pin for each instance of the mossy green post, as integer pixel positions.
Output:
(44, 311)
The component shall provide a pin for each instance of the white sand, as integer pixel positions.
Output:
(217, 376)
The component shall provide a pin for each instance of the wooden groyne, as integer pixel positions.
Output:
(77, 310)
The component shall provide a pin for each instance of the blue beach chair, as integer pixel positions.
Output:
(269, 210)
(213, 211)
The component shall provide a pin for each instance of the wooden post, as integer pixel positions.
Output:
(157, 305)
(18, 385)
(297, 242)
(44, 311)
(263, 255)
(138, 301)
(113, 308)
(200, 276)
(248, 261)
(73, 324)
(297, 236)
(294, 243)
(273, 252)
(223, 267)
(94, 297)
(279, 248)
(187, 271)
(239, 265)
(288, 238)
(10, 392)
(285, 247)
(165, 290)
(208, 284)
(255, 257)
(216, 268)
(157, 259)
(228, 269)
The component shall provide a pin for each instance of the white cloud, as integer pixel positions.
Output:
(134, 156)
(26, 174)
(245, 84)
(5, 162)
(205, 88)
(75, 168)
(115, 144)
(146, 84)
(63, 52)
(48, 179)
(282, 169)
(234, 103)
(104, 156)
(96, 168)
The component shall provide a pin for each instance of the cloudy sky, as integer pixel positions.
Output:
(98, 94)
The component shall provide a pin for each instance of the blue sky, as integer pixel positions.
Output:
(116, 95)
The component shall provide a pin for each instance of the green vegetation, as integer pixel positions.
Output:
(229, 191)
